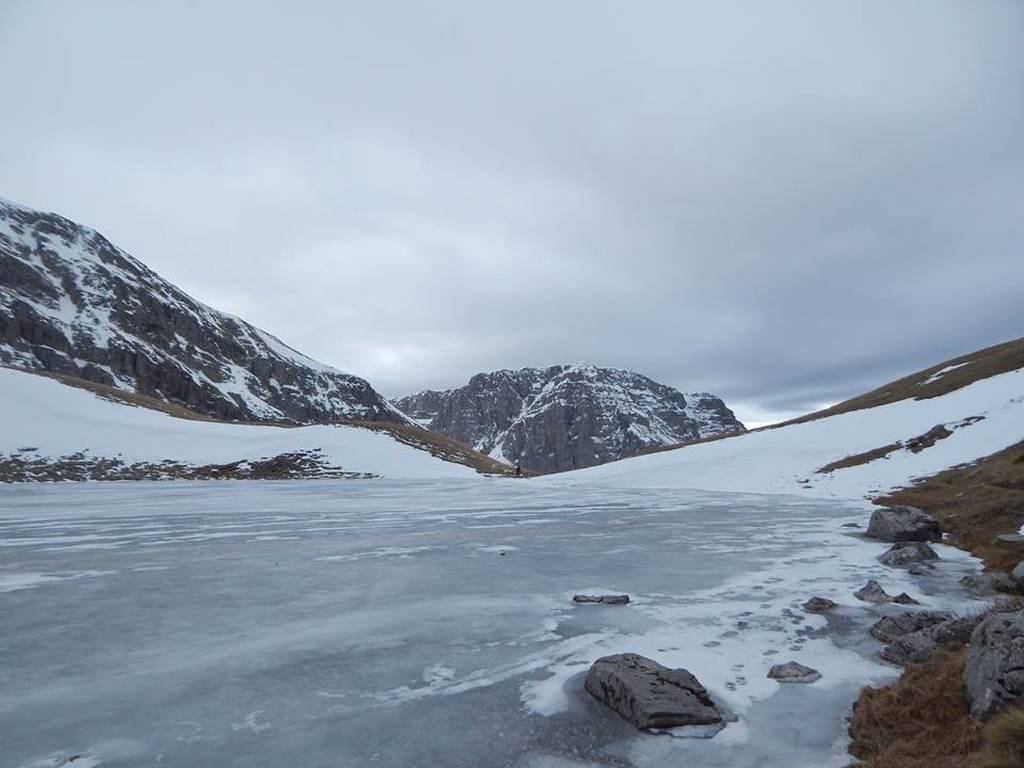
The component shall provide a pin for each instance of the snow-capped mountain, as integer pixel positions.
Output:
(567, 416)
(73, 303)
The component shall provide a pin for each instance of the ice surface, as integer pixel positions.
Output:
(415, 623)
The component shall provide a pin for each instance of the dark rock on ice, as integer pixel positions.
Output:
(907, 552)
(606, 599)
(650, 695)
(903, 524)
(819, 605)
(872, 592)
(793, 672)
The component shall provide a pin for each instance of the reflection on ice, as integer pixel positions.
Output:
(400, 624)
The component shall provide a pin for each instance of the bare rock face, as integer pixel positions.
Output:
(903, 524)
(907, 552)
(567, 416)
(73, 303)
(650, 695)
(793, 672)
(994, 672)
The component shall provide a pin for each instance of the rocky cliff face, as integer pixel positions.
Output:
(567, 417)
(73, 303)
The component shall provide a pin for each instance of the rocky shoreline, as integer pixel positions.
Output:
(990, 642)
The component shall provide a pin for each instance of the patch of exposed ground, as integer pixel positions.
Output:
(934, 381)
(27, 466)
(975, 504)
(920, 721)
(914, 445)
(437, 445)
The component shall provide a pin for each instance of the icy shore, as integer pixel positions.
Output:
(410, 623)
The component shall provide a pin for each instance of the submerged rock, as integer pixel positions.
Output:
(606, 599)
(793, 672)
(650, 695)
(872, 592)
(907, 552)
(903, 524)
(819, 605)
(994, 672)
(904, 599)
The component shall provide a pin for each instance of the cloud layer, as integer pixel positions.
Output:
(783, 203)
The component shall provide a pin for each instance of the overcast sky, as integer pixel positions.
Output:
(783, 203)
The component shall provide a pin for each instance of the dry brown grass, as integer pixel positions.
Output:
(127, 398)
(438, 445)
(975, 366)
(1003, 741)
(856, 459)
(920, 721)
(976, 503)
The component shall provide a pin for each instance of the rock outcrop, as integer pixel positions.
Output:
(73, 303)
(650, 695)
(567, 416)
(917, 647)
(903, 524)
(994, 671)
(888, 628)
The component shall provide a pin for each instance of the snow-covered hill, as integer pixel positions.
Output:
(951, 414)
(567, 416)
(54, 431)
(73, 303)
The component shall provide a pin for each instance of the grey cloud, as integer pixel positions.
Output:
(782, 203)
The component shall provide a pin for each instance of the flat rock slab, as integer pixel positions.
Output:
(650, 695)
(908, 552)
(903, 524)
(793, 672)
(606, 599)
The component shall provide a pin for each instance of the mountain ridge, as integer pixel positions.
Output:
(566, 416)
(73, 303)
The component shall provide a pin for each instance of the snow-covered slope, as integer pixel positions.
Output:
(53, 431)
(879, 448)
(567, 416)
(73, 303)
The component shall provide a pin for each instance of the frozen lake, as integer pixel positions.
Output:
(382, 623)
